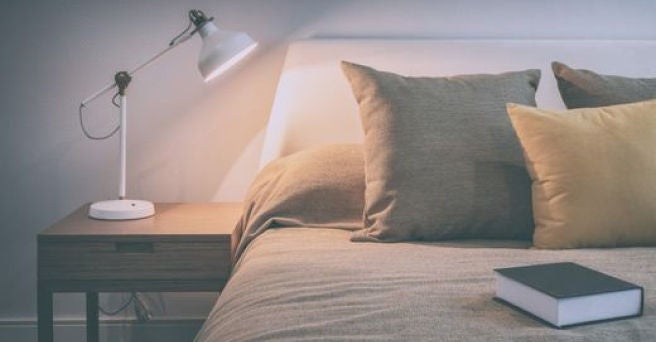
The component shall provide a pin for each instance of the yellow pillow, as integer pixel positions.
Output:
(593, 173)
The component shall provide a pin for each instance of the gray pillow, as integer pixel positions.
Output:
(442, 160)
(582, 88)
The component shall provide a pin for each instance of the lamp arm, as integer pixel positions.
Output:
(149, 61)
(196, 18)
(161, 53)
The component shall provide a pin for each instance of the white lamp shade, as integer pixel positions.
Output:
(221, 50)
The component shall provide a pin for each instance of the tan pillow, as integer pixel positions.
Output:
(318, 187)
(593, 173)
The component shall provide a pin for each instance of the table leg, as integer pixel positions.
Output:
(44, 313)
(92, 317)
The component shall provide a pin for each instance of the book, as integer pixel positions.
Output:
(566, 294)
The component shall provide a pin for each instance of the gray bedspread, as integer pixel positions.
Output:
(301, 284)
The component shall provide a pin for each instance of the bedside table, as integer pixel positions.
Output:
(184, 247)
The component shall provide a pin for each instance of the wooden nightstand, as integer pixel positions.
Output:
(184, 247)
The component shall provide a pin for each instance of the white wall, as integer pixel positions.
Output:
(190, 141)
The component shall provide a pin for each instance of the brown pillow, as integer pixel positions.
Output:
(442, 159)
(593, 172)
(317, 187)
(582, 88)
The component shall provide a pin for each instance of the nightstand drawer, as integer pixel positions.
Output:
(134, 260)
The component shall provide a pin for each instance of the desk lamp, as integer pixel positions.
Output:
(221, 50)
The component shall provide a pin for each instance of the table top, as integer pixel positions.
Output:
(170, 219)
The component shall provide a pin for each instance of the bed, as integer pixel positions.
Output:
(298, 275)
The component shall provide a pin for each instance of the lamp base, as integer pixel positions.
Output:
(124, 209)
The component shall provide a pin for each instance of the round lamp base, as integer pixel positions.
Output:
(124, 209)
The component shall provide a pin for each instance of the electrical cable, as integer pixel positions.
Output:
(95, 137)
(141, 309)
(114, 101)
(121, 308)
(173, 41)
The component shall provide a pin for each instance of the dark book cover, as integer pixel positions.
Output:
(566, 279)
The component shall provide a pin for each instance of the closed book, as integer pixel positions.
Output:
(566, 294)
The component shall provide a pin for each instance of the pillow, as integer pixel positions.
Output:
(441, 158)
(581, 88)
(593, 172)
(319, 187)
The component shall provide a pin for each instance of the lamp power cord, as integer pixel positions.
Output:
(141, 309)
(96, 137)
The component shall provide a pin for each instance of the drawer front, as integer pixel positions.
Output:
(133, 260)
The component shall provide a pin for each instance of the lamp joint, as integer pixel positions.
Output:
(198, 18)
(122, 79)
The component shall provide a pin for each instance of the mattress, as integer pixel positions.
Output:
(303, 284)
